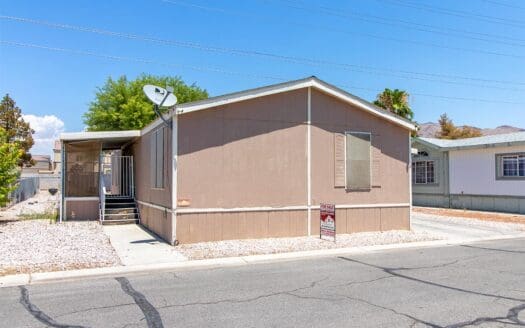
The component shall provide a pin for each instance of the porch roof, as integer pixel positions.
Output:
(108, 139)
(100, 135)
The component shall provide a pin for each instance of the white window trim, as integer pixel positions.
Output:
(414, 174)
(500, 172)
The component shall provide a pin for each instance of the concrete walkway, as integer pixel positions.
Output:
(456, 229)
(137, 246)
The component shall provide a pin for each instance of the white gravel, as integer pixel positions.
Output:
(246, 247)
(37, 245)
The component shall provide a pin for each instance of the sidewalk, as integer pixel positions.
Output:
(47, 277)
(137, 246)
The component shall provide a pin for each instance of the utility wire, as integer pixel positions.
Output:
(432, 77)
(458, 13)
(221, 71)
(337, 12)
(368, 35)
(504, 4)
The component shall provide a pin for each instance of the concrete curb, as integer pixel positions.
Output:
(70, 275)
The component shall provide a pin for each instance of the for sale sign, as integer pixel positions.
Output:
(327, 222)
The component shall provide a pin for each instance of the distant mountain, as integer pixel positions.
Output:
(429, 130)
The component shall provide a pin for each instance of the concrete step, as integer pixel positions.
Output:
(121, 210)
(121, 216)
(120, 221)
(120, 205)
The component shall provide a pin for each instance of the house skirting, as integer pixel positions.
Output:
(81, 208)
(157, 219)
(208, 225)
(494, 203)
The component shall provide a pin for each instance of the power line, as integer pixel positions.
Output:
(221, 71)
(337, 12)
(368, 35)
(504, 4)
(458, 13)
(433, 77)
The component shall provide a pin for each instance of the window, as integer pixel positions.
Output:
(157, 158)
(423, 172)
(511, 166)
(358, 169)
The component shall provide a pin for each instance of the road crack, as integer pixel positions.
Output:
(392, 271)
(256, 298)
(39, 314)
(153, 318)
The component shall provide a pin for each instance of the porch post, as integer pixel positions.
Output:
(174, 150)
(62, 181)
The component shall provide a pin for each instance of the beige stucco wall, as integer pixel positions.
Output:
(254, 154)
(247, 154)
(331, 116)
(151, 217)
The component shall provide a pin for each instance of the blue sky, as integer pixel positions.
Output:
(447, 54)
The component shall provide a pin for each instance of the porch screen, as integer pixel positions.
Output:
(82, 168)
(358, 160)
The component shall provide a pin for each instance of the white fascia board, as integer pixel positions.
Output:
(290, 86)
(77, 136)
(340, 94)
(241, 96)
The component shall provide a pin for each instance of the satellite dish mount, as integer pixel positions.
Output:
(160, 97)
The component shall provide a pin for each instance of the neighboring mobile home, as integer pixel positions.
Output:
(484, 173)
(251, 164)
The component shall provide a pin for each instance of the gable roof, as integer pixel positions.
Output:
(497, 140)
(312, 82)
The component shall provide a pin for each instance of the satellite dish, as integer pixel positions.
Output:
(160, 96)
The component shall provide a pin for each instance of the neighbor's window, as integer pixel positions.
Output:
(157, 158)
(511, 165)
(423, 172)
(358, 145)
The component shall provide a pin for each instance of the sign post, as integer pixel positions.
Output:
(327, 224)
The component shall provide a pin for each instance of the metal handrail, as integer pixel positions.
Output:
(102, 194)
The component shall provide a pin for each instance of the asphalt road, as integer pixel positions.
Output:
(480, 285)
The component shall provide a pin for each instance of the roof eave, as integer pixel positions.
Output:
(291, 86)
(99, 135)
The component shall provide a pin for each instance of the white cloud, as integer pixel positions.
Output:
(47, 130)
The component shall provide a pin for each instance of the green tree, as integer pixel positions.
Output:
(395, 101)
(121, 105)
(450, 131)
(16, 130)
(10, 154)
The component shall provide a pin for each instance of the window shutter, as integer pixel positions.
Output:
(358, 169)
(376, 162)
(153, 158)
(339, 160)
(160, 158)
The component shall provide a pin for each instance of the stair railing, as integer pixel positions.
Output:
(102, 192)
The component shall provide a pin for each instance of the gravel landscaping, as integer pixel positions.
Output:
(37, 245)
(246, 247)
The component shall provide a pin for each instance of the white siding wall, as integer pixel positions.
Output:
(473, 172)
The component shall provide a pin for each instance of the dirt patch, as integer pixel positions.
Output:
(38, 246)
(478, 215)
(41, 203)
